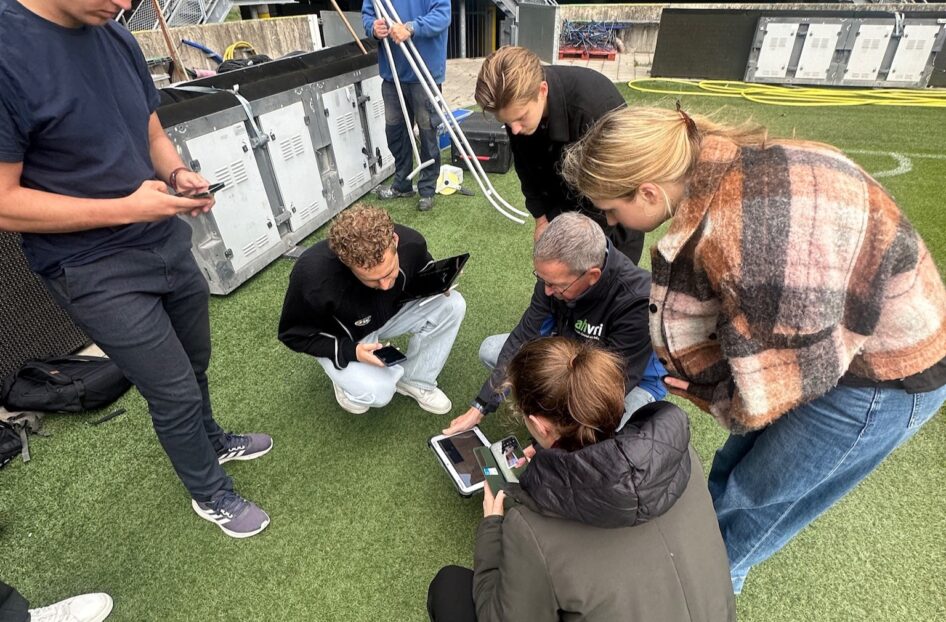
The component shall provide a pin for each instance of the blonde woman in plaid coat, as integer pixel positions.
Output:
(791, 299)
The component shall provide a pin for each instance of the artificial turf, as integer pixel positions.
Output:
(362, 515)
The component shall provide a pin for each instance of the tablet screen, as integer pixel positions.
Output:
(459, 451)
(435, 278)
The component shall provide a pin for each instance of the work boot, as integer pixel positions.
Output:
(388, 192)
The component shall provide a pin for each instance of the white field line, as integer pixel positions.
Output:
(904, 160)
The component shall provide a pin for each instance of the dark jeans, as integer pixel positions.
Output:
(147, 310)
(450, 596)
(422, 113)
(13, 607)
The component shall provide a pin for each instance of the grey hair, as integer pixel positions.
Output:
(573, 239)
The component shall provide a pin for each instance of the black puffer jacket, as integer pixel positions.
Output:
(620, 482)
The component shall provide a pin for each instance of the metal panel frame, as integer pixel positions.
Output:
(209, 247)
(848, 33)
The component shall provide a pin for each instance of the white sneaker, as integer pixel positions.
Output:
(343, 401)
(84, 608)
(431, 400)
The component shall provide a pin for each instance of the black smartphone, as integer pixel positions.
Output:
(204, 195)
(389, 355)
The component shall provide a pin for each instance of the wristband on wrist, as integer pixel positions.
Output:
(172, 178)
(410, 27)
(479, 406)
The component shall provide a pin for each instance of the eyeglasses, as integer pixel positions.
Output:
(557, 290)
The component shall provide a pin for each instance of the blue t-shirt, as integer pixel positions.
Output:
(74, 109)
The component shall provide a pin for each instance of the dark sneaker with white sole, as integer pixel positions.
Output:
(237, 517)
(244, 446)
(425, 204)
(388, 192)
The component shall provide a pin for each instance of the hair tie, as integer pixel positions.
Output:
(688, 121)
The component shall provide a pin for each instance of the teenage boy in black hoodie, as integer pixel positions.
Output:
(587, 292)
(344, 298)
(545, 109)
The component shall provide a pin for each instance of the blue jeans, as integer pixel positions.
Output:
(147, 309)
(769, 484)
(422, 113)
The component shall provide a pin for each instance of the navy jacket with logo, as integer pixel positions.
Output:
(613, 312)
(327, 310)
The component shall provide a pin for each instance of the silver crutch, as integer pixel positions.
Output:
(400, 97)
(452, 125)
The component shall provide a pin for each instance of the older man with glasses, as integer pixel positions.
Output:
(584, 290)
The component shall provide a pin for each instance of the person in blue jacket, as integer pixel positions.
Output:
(425, 23)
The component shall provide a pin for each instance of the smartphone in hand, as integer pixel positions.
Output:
(389, 355)
(203, 195)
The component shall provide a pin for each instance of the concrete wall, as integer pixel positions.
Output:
(272, 37)
(640, 35)
(279, 36)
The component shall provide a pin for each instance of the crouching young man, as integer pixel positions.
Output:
(345, 298)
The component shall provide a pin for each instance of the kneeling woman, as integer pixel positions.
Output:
(606, 525)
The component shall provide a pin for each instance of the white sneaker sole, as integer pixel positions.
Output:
(233, 534)
(106, 611)
(355, 409)
(436, 411)
(259, 454)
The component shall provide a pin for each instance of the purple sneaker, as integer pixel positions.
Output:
(244, 446)
(237, 517)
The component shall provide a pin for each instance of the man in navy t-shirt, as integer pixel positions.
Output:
(84, 173)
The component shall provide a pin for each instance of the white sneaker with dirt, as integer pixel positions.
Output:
(84, 608)
(431, 400)
(346, 404)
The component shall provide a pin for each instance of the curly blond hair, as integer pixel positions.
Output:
(361, 235)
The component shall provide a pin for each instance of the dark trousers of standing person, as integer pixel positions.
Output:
(421, 112)
(450, 596)
(13, 607)
(147, 308)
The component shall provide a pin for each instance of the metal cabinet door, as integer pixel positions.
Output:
(348, 139)
(375, 112)
(294, 163)
(242, 214)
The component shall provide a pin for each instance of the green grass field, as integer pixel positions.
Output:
(362, 515)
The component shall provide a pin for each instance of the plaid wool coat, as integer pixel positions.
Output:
(783, 269)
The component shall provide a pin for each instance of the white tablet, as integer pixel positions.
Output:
(455, 454)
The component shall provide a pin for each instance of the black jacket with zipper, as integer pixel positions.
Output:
(613, 313)
(327, 310)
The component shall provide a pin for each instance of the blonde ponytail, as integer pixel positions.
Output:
(630, 146)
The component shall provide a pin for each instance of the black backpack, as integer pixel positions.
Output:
(10, 444)
(70, 384)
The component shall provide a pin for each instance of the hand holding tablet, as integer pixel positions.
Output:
(439, 277)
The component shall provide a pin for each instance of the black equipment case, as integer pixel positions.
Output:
(489, 141)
